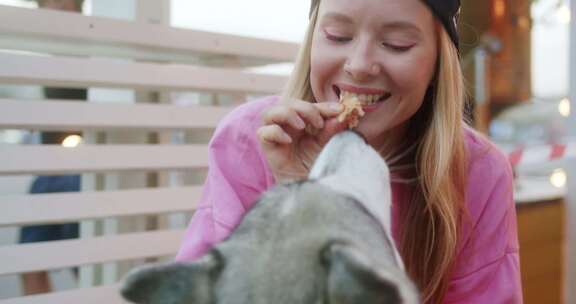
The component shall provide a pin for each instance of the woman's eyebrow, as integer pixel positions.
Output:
(402, 25)
(338, 17)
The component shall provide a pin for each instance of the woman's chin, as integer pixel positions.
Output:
(369, 131)
(372, 130)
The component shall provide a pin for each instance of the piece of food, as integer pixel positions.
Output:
(352, 110)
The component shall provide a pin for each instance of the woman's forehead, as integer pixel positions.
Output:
(396, 10)
(405, 15)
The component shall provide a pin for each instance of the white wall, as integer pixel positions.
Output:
(549, 53)
(114, 9)
(272, 19)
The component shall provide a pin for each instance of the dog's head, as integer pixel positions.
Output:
(323, 240)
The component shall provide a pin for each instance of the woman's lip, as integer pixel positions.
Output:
(358, 90)
(372, 107)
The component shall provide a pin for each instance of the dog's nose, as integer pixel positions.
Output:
(355, 133)
(350, 136)
(344, 149)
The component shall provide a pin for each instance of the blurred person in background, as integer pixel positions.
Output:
(61, 5)
(39, 282)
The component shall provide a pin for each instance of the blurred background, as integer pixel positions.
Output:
(106, 108)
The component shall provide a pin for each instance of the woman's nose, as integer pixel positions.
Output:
(361, 64)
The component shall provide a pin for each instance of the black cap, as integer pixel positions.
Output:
(447, 11)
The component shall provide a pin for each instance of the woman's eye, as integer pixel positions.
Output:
(397, 48)
(336, 38)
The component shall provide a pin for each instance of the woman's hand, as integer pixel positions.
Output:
(293, 134)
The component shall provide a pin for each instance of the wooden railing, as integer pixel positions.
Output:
(76, 51)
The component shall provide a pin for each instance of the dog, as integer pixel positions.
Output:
(325, 239)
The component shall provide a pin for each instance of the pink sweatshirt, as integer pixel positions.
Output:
(487, 267)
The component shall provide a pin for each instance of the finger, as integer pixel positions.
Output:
(332, 128)
(273, 134)
(309, 112)
(283, 115)
(329, 109)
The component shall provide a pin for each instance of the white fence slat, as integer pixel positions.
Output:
(67, 115)
(53, 159)
(96, 295)
(68, 207)
(80, 72)
(174, 60)
(105, 36)
(68, 253)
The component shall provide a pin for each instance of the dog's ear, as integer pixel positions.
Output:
(174, 283)
(354, 278)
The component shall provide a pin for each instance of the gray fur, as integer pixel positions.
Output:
(307, 242)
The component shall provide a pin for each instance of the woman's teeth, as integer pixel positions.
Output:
(365, 99)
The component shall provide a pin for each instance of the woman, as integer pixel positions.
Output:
(454, 217)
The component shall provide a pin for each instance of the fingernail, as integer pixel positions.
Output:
(299, 123)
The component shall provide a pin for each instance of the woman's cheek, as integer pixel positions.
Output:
(324, 67)
(408, 74)
(418, 68)
(317, 76)
(324, 56)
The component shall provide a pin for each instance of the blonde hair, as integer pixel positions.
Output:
(298, 85)
(431, 220)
